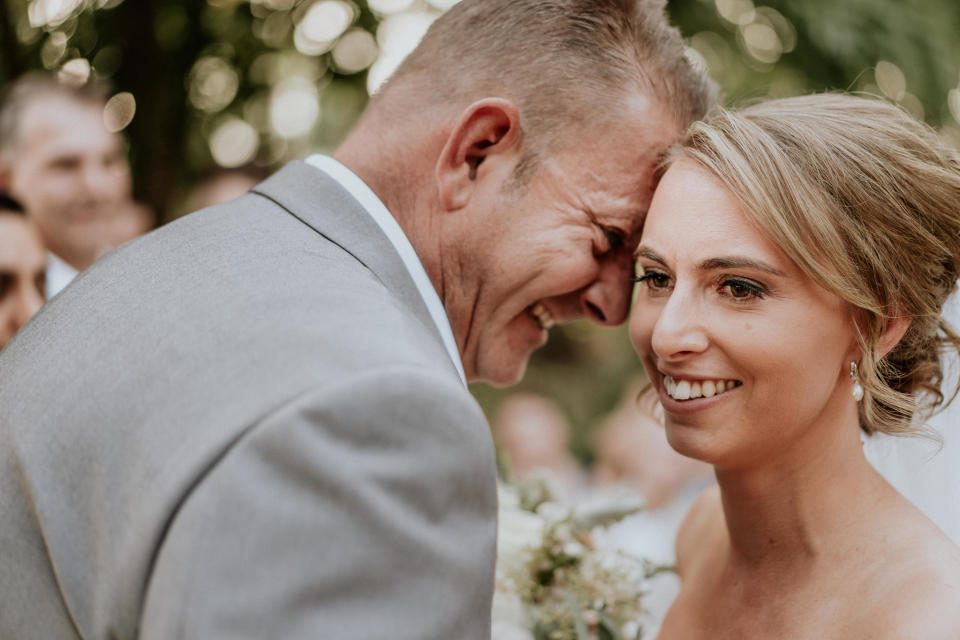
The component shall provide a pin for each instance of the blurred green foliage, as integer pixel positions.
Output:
(907, 52)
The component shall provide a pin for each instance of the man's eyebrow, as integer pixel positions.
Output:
(739, 262)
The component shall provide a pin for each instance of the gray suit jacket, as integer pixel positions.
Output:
(244, 425)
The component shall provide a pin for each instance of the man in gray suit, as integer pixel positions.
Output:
(253, 423)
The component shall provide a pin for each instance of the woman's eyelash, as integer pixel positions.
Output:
(741, 289)
(656, 279)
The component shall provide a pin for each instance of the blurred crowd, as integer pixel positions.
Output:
(66, 197)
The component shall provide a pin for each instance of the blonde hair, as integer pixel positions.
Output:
(562, 62)
(866, 201)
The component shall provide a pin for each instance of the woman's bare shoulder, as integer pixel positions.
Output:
(703, 524)
(922, 594)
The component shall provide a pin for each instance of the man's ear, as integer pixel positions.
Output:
(896, 327)
(488, 129)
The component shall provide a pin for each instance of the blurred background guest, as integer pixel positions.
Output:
(133, 219)
(632, 452)
(222, 185)
(70, 172)
(22, 269)
(532, 436)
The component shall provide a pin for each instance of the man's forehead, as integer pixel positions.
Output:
(52, 118)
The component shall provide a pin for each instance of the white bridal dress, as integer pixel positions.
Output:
(928, 475)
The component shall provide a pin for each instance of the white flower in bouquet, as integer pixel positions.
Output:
(557, 579)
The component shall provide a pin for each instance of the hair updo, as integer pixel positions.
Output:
(866, 201)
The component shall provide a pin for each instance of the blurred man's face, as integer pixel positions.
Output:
(22, 273)
(71, 175)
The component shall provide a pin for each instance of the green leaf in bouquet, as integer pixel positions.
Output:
(608, 628)
(532, 492)
(606, 510)
(579, 624)
(651, 569)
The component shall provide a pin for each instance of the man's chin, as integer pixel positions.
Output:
(500, 374)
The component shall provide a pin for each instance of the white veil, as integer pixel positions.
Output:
(923, 472)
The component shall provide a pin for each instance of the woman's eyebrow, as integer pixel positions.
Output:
(650, 254)
(739, 262)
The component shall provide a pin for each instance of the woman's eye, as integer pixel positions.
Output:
(654, 279)
(741, 289)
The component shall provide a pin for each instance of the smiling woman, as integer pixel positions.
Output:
(794, 265)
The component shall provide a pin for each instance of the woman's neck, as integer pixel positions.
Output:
(797, 507)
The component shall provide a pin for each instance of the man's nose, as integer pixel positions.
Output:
(606, 301)
(681, 329)
(98, 180)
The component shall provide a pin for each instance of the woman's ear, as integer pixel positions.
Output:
(487, 132)
(896, 328)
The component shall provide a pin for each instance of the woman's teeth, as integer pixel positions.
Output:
(544, 317)
(686, 390)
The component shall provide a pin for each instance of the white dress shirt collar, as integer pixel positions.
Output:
(59, 275)
(385, 220)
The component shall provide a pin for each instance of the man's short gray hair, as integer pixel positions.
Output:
(33, 86)
(563, 62)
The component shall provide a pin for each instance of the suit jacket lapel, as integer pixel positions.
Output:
(324, 205)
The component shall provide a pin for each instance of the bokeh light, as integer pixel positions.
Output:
(355, 51)
(274, 29)
(119, 111)
(953, 102)
(51, 13)
(294, 107)
(398, 35)
(786, 32)
(53, 50)
(762, 42)
(107, 60)
(321, 25)
(387, 7)
(75, 72)
(912, 105)
(234, 142)
(275, 5)
(213, 84)
(443, 5)
(891, 80)
(740, 12)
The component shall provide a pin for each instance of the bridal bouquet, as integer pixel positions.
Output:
(556, 579)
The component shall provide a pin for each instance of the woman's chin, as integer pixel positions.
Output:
(691, 442)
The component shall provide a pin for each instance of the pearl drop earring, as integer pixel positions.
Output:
(857, 390)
